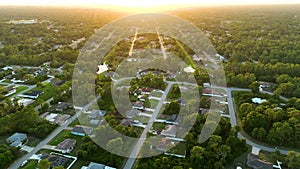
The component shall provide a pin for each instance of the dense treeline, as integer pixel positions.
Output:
(15, 118)
(270, 122)
(7, 154)
(49, 39)
(261, 41)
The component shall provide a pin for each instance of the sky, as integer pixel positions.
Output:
(142, 4)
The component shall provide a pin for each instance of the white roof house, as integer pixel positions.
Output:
(257, 100)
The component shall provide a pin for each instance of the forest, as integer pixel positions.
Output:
(260, 43)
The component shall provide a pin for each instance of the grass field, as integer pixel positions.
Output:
(31, 164)
(79, 164)
(32, 141)
(21, 88)
(61, 137)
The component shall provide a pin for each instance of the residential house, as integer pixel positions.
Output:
(171, 119)
(93, 165)
(62, 106)
(254, 162)
(126, 122)
(55, 160)
(57, 82)
(258, 101)
(10, 90)
(95, 122)
(142, 97)
(132, 113)
(96, 113)
(57, 118)
(138, 105)
(169, 131)
(33, 94)
(6, 68)
(206, 85)
(66, 146)
(146, 90)
(161, 145)
(79, 130)
(16, 139)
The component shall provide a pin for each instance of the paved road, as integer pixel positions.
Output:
(17, 163)
(161, 42)
(133, 41)
(270, 93)
(234, 123)
(29, 87)
(232, 114)
(136, 149)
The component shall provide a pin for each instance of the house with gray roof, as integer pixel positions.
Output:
(16, 139)
(93, 165)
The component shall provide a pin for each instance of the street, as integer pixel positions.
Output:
(134, 154)
(17, 163)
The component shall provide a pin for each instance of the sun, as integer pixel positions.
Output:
(139, 6)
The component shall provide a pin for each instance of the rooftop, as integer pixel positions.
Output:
(66, 144)
(258, 100)
(82, 129)
(170, 130)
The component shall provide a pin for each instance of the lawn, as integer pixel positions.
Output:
(61, 137)
(64, 135)
(49, 92)
(80, 163)
(142, 119)
(179, 149)
(153, 103)
(156, 94)
(7, 81)
(31, 164)
(158, 126)
(21, 88)
(74, 123)
(33, 141)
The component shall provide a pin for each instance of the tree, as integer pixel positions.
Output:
(44, 164)
(115, 145)
(293, 160)
(59, 167)
(175, 92)
(197, 156)
(246, 108)
(172, 108)
(254, 86)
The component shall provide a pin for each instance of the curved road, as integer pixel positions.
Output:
(234, 123)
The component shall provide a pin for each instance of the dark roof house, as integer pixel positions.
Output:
(81, 130)
(66, 146)
(55, 160)
(93, 165)
(137, 105)
(33, 94)
(126, 122)
(62, 106)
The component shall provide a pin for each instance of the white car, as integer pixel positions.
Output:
(24, 163)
